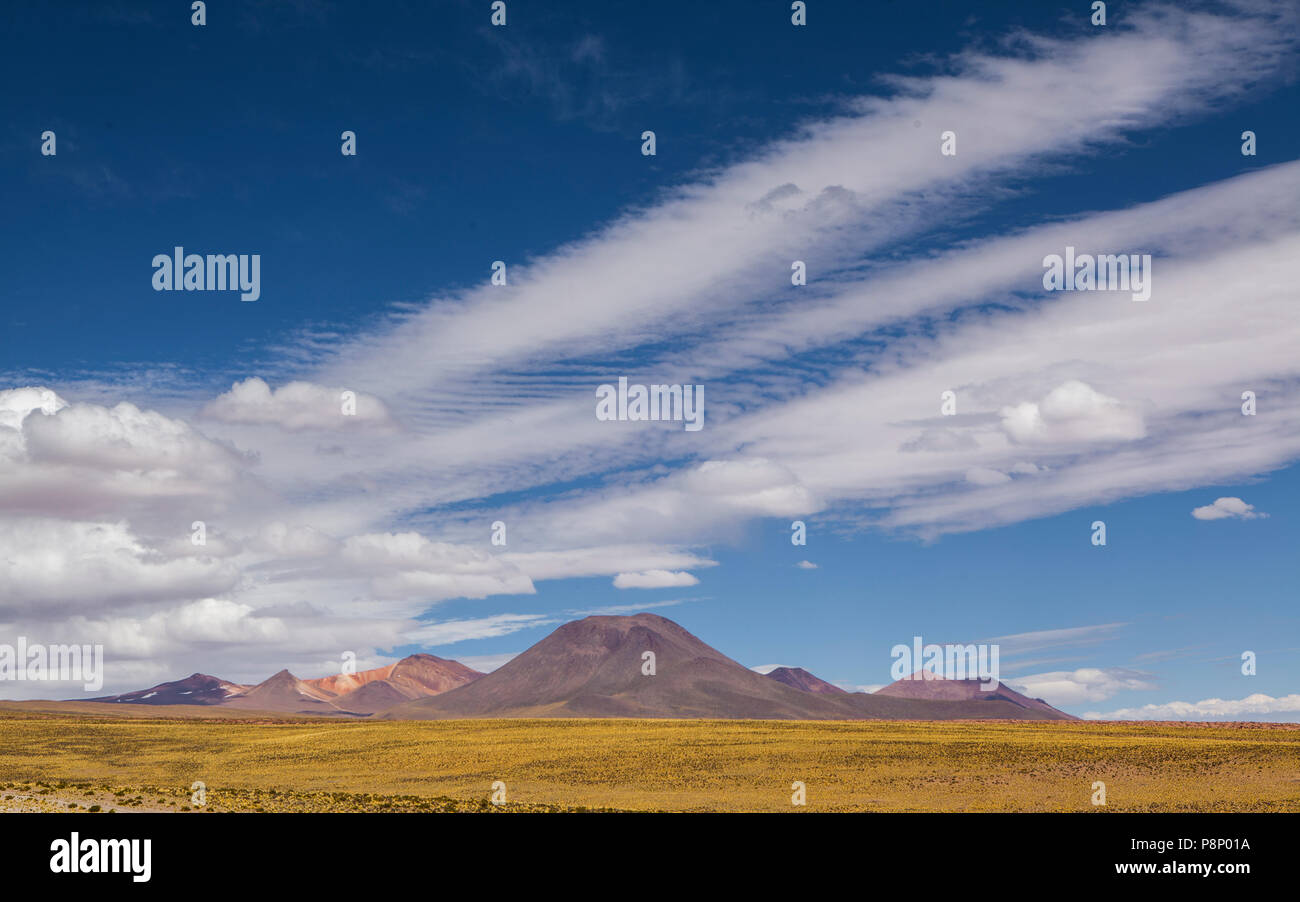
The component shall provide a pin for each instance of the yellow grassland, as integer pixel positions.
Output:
(53, 759)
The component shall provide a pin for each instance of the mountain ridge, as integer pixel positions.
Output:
(640, 666)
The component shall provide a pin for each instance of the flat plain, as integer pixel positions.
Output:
(74, 756)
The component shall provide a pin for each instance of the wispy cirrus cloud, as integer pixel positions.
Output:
(824, 401)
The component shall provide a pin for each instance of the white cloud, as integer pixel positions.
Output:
(405, 565)
(296, 406)
(1064, 402)
(17, 403)
(1072, 412)
(126, 439)
(447, 632)
(654, 579)
(55, 568)
(486, 663)
(806, 565)
(986, 476)
(1227, 507)
(602, 560)
(297, 541)
(869, 688)
(623, 609)
(1022, 643)
(1250, 707)
(1088, 684)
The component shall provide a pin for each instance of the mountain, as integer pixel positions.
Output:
(195, 689)
(798, 678)
(423, 674)
(413, 676)
(343, 683)
(367, 692)
(927, 686)
(416, 676)
(371, 698)
(593, 668)
(284, 693)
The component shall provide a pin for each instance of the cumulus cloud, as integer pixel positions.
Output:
(206, 621)
(296, 406)
(126, 438)
(654, 579)
(87, 460)
(756, 486)
(1072, 412)
(1227, 507)
(1207, 709)
(806, 565)
(1088, 684)
(60, 567)
(17, 403)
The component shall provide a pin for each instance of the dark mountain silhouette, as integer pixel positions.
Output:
(798, 678)
(195, 689)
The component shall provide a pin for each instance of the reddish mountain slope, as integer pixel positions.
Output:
(416, 676)
(366, 692)
(371, 698)
(285, 693)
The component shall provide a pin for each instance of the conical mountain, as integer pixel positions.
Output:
(284, 693)
(596, 667)
(798, 678)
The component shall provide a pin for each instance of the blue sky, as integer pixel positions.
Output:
(774, 143)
